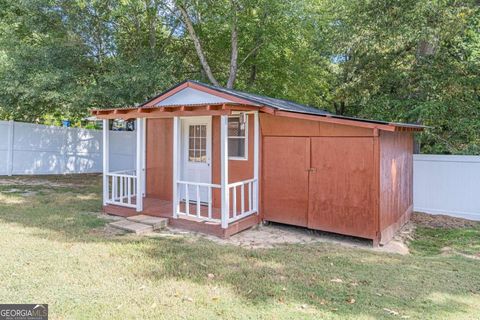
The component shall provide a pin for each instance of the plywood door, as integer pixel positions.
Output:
(341, 190)
(285, 179)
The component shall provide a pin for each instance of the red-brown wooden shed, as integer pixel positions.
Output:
(219, 161)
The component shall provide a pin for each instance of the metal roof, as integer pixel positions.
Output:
(279, 104)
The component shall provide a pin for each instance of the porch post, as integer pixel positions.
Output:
(176, 128)
(144, 157)
(256, 137)
(139, 165)
(225, 210)
(106, 149)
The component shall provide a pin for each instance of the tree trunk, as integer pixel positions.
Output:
(234, 44)
(198, 46)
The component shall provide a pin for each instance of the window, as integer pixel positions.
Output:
(197, 143)
(237, 137)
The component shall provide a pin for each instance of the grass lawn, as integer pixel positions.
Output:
(53, 249)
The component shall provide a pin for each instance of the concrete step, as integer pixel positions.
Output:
(156, 222)
(131, 226)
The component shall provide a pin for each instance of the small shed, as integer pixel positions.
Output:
(218, 160)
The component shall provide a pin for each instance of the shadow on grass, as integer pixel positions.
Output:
(303, 274)
(365, 282)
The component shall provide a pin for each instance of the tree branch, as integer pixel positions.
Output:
(198, 46)
(254, 50)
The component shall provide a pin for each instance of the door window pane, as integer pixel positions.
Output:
(197, 143)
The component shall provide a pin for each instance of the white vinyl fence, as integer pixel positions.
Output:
(27, 148)
(447, 184)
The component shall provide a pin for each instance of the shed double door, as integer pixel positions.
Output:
(323, 183)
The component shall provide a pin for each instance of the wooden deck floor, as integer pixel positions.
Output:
(163, 208)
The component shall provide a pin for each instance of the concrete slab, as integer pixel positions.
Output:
(155, 222)
(131, 226)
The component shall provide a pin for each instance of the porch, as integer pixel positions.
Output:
(221, 208)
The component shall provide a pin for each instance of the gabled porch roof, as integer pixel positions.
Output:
(194, 98)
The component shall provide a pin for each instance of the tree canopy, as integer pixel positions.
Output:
(395, 60)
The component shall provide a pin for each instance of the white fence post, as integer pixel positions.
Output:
(11, 132)
(225, 210)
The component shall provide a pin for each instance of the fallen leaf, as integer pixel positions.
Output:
(188, 299)
(284, 289)
(303, 306)
(337, 280)
(215, 298)
(210, 276)
(351, 301)
(153, 306)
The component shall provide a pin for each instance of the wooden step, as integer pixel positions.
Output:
(156, 222)
(131, 226)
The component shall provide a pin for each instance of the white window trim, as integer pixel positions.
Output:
(246, 139)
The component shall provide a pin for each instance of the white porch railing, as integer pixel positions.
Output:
(242, 201)
(248, 201)
(192, 204)
(122, 188)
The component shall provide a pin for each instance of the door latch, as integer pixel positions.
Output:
(313, 170)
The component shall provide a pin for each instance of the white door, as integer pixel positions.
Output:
(196, 156)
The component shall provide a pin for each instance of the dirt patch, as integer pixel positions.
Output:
(442, 221)
(23, 193)
(106, 231)
(275, 235)
(55, 181)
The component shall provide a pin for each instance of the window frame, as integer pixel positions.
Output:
(245, 138)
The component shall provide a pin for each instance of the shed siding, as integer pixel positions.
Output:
(396, 181)
(159, 160)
